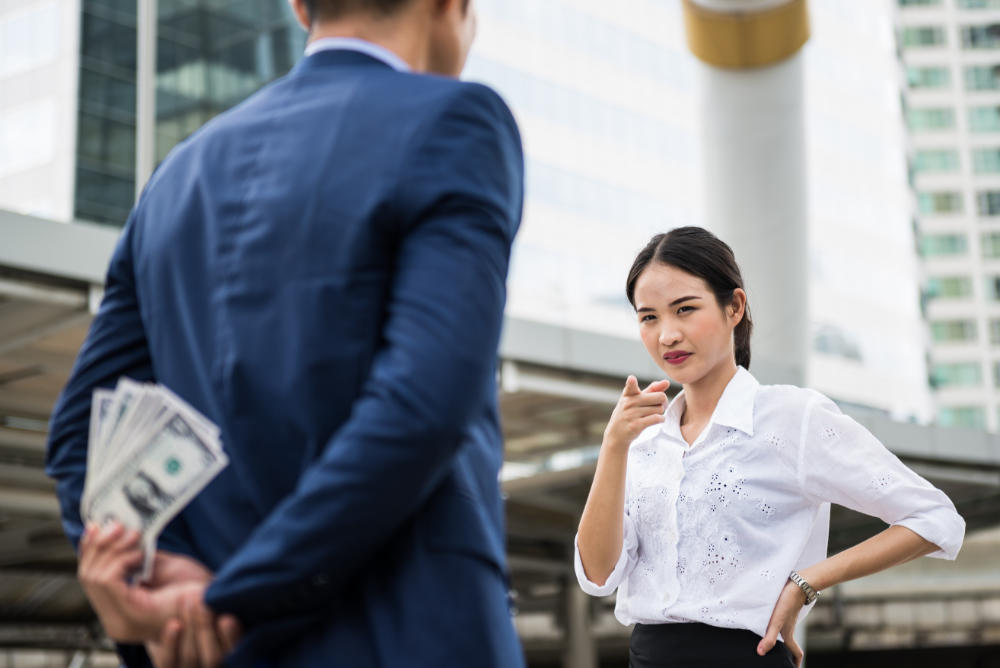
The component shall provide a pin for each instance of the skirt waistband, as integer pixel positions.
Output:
(700, 645)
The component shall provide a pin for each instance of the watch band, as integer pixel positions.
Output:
(807, 589)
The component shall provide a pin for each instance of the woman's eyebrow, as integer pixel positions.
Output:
(683, 299)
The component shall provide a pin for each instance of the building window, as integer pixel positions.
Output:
(923, 36)
(919, 3)
(984, 119)
(991, 245)
(993, 288)
(962, 416)
(981, 37)
(928, 77)
(982, 77)
(979, 4)
(988, 202)
(953, 331)
(930, 119)
(932, 245)
(986, 160)
(995, 332)
(211, 55)
(936, 160)
(957, 374)
(996, 374)
(940, 202)
(949, 287)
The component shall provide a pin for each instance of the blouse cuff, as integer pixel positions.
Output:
(629, 544)
(946, 529)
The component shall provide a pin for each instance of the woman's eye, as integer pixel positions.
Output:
(685, 309)
(646, 318)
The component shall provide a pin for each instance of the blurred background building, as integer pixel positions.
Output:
(952, 100)
(607, 96)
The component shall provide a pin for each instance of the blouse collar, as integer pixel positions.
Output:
(735, 409)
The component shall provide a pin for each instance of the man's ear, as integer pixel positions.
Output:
(301, 12)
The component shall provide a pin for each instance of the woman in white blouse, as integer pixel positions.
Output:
(711, 517)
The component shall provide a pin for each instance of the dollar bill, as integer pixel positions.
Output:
(152, 455)
(99, 411)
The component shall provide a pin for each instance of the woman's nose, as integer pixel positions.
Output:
(669, 336)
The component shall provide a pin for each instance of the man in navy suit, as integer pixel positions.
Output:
(321, 271)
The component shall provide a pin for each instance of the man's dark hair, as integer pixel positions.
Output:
(700, 253)
(334, 9)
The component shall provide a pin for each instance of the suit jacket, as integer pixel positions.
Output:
(321, 271)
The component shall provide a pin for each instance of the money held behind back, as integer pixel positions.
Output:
(152, 455)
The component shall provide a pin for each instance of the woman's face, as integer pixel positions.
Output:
(681, 324)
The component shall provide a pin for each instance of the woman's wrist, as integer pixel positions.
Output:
(614, 446)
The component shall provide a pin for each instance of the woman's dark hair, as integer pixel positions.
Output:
(700, 253)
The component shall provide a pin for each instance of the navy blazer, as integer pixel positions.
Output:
(321, 271)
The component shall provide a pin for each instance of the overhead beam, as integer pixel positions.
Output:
(25, 477)
(26, 403)
(18, 440)
(547, 480)
(61, 323)
(27, 503)
(80, 251)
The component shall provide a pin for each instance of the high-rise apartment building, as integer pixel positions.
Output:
(951, 55)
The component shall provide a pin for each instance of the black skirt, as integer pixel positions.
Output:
(701, 646)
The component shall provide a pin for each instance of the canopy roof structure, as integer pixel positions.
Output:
(558, 388)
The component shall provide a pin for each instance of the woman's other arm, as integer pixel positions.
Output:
(842, 462)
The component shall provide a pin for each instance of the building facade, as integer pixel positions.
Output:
(951, 54)
(607, 102)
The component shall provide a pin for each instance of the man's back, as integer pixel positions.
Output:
(321, 272)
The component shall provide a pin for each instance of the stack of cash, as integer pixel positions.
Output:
(149, 454)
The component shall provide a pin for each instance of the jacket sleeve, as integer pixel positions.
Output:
(115, 346)
(459, 204)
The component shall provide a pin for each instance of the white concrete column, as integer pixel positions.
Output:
(751, 98)
(145, 90)
(580, 650)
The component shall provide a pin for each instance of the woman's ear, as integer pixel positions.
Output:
(737, 307)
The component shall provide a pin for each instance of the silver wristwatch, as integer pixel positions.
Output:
(807, 589)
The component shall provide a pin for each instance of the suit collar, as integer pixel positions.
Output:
(322, 60)
(376, 51)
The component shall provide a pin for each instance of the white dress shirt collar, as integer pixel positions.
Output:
(735, 409)
(362, 46)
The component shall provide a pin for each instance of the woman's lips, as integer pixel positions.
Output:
(676, 358)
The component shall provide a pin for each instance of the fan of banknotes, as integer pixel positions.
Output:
(150, 454)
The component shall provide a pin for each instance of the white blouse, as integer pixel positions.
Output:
(713, 529)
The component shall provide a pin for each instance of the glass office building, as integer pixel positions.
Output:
(211, 54)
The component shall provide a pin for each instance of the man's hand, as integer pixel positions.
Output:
(108, 557)
(168, 614)
(783, 620)
(197, 640)
(196, 637)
